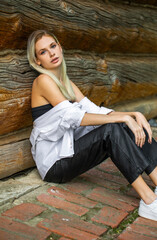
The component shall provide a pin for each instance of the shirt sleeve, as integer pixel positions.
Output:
(72, 117)
(91, 107)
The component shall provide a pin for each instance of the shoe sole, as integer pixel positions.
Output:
(145, 215)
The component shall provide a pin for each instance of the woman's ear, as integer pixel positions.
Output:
(37, 62)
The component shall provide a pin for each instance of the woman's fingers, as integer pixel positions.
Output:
(149, 135)
(149, 131)
(137, 129)
(139, 137)
(142, 121)
(143, 137)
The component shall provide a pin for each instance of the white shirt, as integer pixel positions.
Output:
(53, 133)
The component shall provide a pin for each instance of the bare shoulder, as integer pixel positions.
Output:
(43, 79)
(47, 89)
(43, 82)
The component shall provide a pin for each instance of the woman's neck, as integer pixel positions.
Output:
(57, 73)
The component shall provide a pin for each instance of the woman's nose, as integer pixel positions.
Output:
(51, 53)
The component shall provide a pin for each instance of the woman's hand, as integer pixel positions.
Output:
(143, 123)
(136, 129)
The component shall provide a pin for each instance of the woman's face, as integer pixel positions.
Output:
(48, 53)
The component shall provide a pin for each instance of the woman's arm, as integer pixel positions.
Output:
(135, 120)
(48, 90)
(140, 119)
(100, 119)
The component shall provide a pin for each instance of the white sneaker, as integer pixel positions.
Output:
(148, 210)
(155, 191)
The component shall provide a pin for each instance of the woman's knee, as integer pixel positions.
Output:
(119, 133)
(117, 128)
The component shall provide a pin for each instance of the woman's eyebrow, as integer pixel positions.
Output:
(45, 47)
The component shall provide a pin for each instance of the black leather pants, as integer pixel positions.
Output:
(114, 140)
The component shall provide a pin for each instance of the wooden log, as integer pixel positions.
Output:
(146, 106)
(102, 27)
(105, 81)
(16, 136)
(15, 147)
(15, 90)
(125, 83)
(15, 153)
(131, 77)
(15, 157)
(145, 3)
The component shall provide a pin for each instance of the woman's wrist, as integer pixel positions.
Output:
(133, 114)
(126, 118)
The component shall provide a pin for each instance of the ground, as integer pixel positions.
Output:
(99, 204)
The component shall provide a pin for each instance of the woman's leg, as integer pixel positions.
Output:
(148, 203)
(153, 176)
(90, 150)
(143, 190)
(150, 152)
(114, 141)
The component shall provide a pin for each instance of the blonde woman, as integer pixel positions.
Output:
(71, 134)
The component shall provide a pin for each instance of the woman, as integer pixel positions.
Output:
(71, 134)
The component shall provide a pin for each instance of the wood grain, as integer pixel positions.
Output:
(15, 157)
(99, 26)
(15, 136)
(105, 81)
(144, 3)
(110, 47)
(147, 106)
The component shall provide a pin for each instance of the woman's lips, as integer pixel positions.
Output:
(55, 60)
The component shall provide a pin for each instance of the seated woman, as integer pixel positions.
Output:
(71, 134)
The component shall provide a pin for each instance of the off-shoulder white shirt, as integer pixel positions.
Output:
(53, 133)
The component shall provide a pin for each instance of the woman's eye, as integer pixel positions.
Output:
(42, 52)
(53, 46)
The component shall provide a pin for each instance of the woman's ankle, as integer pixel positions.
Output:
(149, 199)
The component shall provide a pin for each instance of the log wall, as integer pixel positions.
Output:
(111, 52)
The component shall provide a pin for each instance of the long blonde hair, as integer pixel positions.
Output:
(66, 88)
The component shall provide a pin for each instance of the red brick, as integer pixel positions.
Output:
(63, 238)
(23, 229)
(24, 211)
(10, 236)
(126, 198)
(123, 197)
(113, 178)
(76, 222)
(66, 231)
(141, 228)
(134, 236)
(146, 222)
(110, 216)
(78, 186)
(145, 230)
(109, 198)
(108, 166)
(147, 179)
(61, 204)
(133, 193)
(100, 181)
(71, 197)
